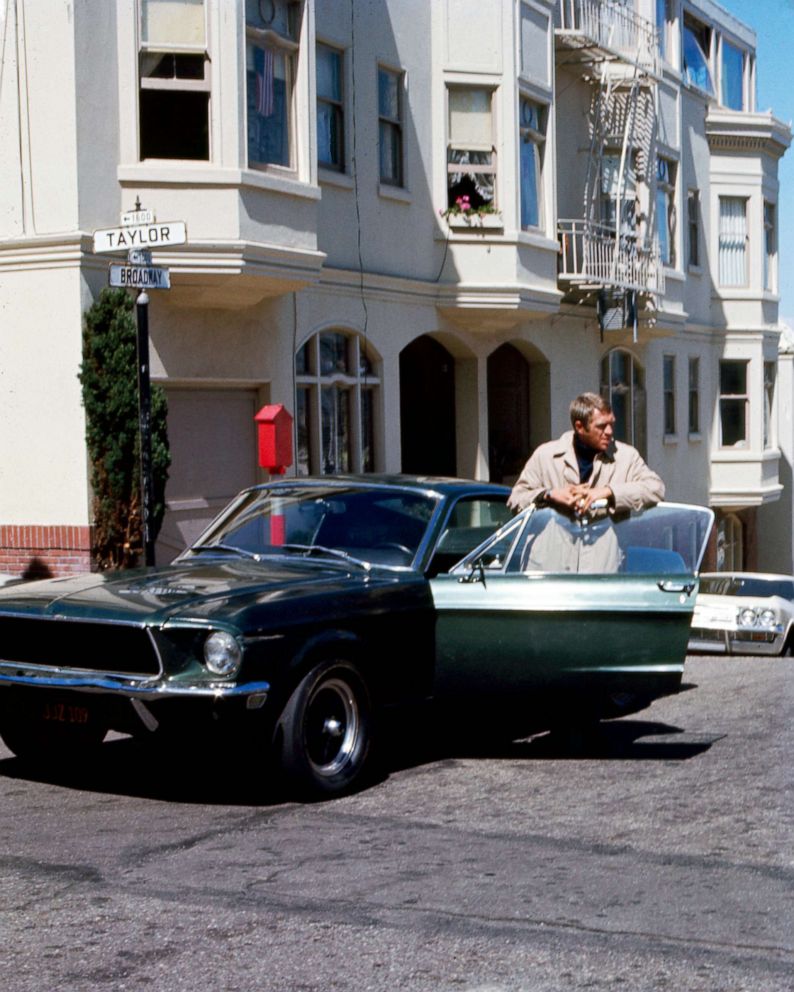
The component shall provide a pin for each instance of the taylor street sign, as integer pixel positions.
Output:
(140, 277)
(156, 235)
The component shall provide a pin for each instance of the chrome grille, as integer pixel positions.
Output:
(78, 644)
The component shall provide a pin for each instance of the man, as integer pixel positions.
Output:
(585, 465)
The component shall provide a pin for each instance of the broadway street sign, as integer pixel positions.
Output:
(140, 277)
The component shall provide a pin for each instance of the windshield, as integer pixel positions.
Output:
(666, 539)
(733, 585)
(374, 525)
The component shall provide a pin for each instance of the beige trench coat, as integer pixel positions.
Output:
(553, 465)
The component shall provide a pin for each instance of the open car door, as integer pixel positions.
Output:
(597, 606)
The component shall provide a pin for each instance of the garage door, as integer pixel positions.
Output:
(212, 435)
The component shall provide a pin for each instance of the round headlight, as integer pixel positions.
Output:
(747, 617)
(222, 653)
(767, 618)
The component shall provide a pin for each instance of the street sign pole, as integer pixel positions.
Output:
(138, 234)
(145, 427)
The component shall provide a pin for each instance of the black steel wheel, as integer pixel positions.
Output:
(325, 730)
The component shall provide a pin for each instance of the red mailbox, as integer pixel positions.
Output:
(274, 432)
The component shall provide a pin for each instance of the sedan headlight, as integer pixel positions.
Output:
(747, 617)
(222, 653)
(767, 618)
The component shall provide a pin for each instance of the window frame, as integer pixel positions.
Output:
(770, 381)
(288, 48)
(489, 168)
(730, 240)
(358, 381)
(666, 174)
(770, 284)
(693, 396)
(534, 135)
(337, 111)
(148, 84)
(394, 126)
(693, 228)
(740, 400)
(727, 45)
(669, 395)
(613, 389)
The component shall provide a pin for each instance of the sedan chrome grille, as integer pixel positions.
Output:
(78, 644)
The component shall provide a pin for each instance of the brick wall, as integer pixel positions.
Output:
(40, 552)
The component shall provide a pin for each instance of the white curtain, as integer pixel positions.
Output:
(733, 241)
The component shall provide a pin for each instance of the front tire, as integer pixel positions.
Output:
(325, 731)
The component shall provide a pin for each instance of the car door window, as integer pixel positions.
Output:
(471, 521)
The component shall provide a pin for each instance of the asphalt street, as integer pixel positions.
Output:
(659, 856)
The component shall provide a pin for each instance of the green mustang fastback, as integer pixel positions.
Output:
(310, 606)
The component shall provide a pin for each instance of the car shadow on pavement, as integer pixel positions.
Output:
(123, 766)
(625, 739)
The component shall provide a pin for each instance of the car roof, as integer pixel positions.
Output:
(444, 485)
(771, 576)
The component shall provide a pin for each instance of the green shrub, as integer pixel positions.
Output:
(108, 376)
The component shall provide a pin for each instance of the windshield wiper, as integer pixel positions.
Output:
(333, 552)
(227, 547)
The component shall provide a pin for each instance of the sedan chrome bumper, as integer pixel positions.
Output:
(130, 687)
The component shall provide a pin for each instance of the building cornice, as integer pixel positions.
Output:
(735, 131)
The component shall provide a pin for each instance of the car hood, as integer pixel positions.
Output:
(195, 587)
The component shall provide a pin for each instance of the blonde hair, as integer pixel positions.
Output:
(585, 405)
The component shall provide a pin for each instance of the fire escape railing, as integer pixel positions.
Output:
(591, 254)
(612, 25)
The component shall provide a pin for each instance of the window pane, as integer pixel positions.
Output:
(696, 55)
(367, 432)
(530, 201)
(732, 76)
(733, 241)
(302, 405)
(388, 94)
(333, 353)
(336, 440)
(329, 73)
(694, 395)
(302, 363)
(174, 124)
(390, 139)
(172, 22)
(732, 419)
(268, 99)
(470, 118)
(733, 378)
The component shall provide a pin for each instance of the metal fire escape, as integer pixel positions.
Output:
(610, 254)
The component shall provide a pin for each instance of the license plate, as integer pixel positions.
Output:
(65, 713)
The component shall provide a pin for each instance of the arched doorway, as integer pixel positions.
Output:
(508, 413)
(427, 408)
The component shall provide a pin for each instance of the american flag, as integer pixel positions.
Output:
(263, 63)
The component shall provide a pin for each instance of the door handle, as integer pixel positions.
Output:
(675, 585)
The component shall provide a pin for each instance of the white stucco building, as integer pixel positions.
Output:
(622, 236)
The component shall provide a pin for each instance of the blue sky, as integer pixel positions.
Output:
(773, 23)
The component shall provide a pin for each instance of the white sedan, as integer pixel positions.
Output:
(744, 613)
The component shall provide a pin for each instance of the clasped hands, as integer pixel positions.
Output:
(578, 498)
